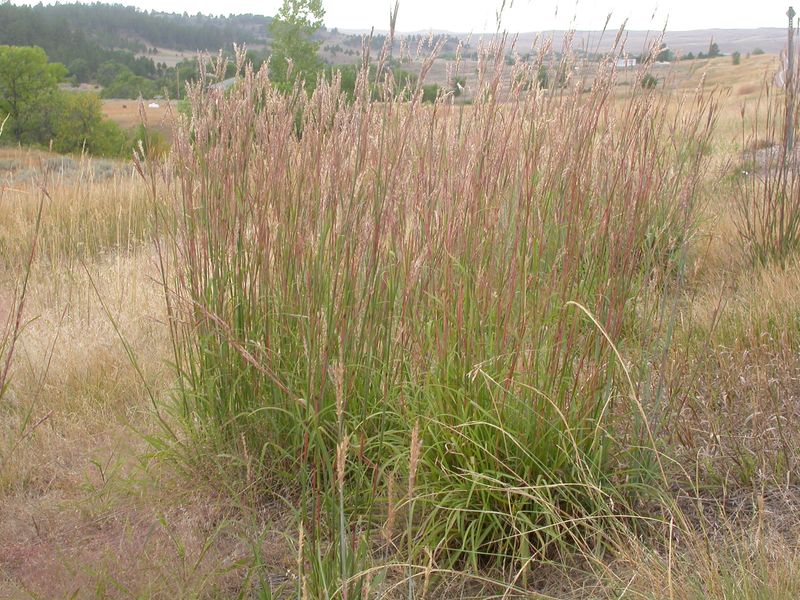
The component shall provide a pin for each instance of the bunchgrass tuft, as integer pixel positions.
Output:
(768, 195)
(375, 290)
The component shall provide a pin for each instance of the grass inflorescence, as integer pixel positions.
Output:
(377, 290)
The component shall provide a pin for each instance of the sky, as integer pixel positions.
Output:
(477, 16)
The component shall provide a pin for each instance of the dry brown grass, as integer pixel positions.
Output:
(87, 507)
(127, 114)
(76, 408)
(93, 208)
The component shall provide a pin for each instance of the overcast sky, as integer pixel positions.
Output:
(525, 15)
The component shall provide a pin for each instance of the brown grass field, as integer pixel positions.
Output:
(127, 113)
(95, 504)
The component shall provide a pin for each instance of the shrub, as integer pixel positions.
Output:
(109, 139)
(737, 58)
(80, 127)
(649, 81)
(25, 175)
(430, 92)
(9, 164)
(103, 169)
(78, 117)
(59, 164)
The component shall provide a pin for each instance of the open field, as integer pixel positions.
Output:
(127, 113)
(170, 57)
(511, 350)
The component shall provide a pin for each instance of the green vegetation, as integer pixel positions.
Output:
(84, 36)
(95, 42)
(110, 45)
(62, 42)
(430, 92)
(117, 26)
(713, 51)
(366, 318)
(80, 127)
(28, 87)
(665, 54)
(292, 44)
(649, 81)
(39, 113)
(126, 84)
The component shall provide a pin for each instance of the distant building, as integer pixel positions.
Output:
(626, 63)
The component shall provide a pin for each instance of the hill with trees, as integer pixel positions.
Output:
(114, 26)
(99, 42)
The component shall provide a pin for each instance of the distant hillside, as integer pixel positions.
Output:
(771, 40)
(121, 47)
(122, 27)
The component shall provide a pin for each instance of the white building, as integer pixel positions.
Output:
(625, 63)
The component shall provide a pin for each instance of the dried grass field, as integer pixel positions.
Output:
(127, 113)
(527, 347)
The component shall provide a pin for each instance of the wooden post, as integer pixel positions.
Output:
(789, 137)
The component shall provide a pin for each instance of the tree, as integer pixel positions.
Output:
(713, 50)
(26, 82)
(737, 57)
(108, 72)
(80, 70)
(128, 85)
(665, 54)
(292, 30)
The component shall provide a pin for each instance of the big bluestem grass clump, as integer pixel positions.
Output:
(768, 195)
(341, 273)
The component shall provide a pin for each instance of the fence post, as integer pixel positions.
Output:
(789, 137)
